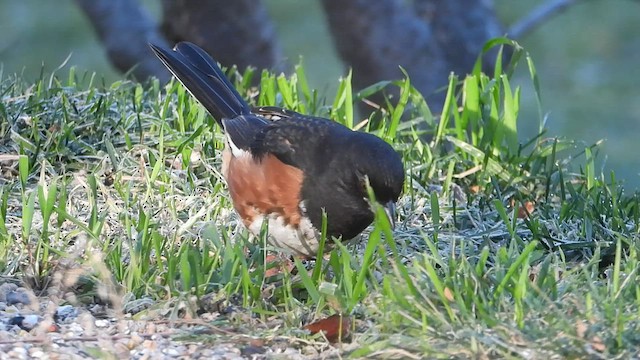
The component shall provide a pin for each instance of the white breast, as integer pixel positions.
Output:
(302, 241)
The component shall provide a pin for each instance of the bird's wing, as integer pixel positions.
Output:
(298, 140)
(275, 113)
(244, 129)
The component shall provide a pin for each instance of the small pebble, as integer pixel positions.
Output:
(75, 328)
(65, 313)
(5, 289)
(121, 349)
(291, 353)
(250, 350)
(17, 353)
(102, 323)
(19, 296)
(171, 352)
(86, 322)
(26, 322)
(149, 344)
(145, 355)
(11, 310)
(310, 350)
(38, 354)
(29, 322)
(134, 341)
(150, 328)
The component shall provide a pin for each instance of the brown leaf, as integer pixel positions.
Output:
(474, 189)
(257, 342)
(448, 294)
(276, 265)
(597, 344)
(533, 272)
(335, 327)
(526, 210)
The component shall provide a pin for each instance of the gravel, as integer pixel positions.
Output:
(34, 328)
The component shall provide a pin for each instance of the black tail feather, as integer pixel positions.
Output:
(204, 79)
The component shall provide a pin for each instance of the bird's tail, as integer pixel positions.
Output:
(204, 79)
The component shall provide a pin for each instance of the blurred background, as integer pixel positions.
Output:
(587, 60)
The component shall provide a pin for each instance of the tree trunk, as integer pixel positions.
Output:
(376, 37)
(237, 32)
(125, 29)
(429, 39)
(461, 28)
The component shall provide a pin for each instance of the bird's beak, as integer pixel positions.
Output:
(390, 210)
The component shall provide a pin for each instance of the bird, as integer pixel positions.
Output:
(288, 171)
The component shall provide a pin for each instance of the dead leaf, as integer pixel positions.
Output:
(474, 189)
(533, 272)
(335, 327)
(9, 157)
(257, 342)
(597, 344)
(276, 265)
(448, 294)
(526, 210)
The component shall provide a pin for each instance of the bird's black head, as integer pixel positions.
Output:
(337, 168)
(380, 165)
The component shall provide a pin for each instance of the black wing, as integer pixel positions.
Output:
(244, 129)
(275, 113)
(299, 140)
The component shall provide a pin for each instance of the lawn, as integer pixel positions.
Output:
(112, 194)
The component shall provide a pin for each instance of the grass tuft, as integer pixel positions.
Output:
(506, 247)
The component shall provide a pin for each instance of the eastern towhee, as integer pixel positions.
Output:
(286, 168)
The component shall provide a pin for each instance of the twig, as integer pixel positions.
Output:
(9, 157)
(539, 15)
